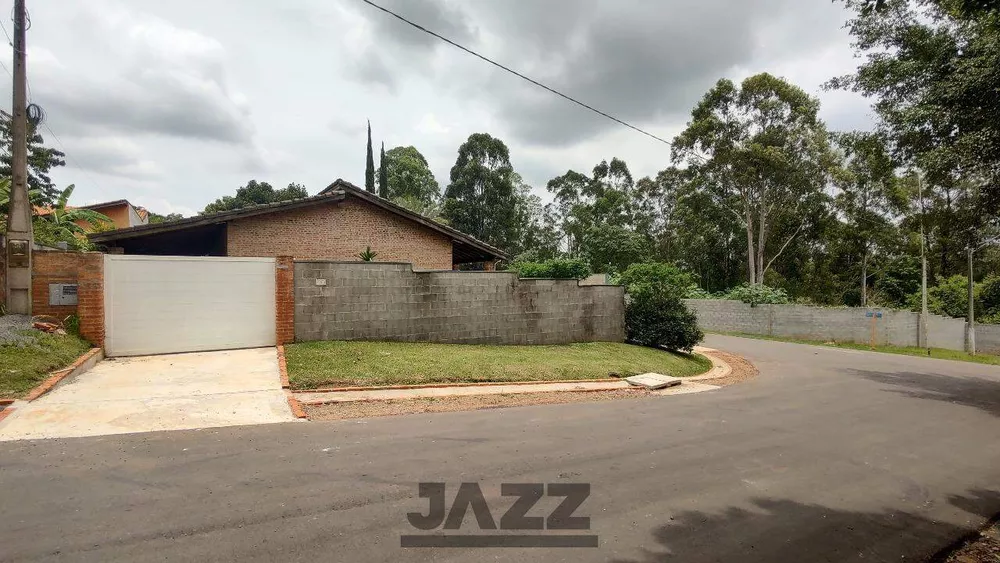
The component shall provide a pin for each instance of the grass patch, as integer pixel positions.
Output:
(938, 353)
(24, 367)
(342, 364)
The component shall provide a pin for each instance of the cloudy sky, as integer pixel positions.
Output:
(173, 104)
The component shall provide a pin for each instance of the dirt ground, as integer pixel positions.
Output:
(742, 371)
(985, 548)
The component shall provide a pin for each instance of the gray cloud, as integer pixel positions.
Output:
(171, 81)
(641, 61)
(173, 104)
(112, 156)
(435, 15)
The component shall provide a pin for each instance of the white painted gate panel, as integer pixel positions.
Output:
(165, 304)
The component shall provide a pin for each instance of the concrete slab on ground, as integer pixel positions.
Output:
(653, 380)
(148, 393)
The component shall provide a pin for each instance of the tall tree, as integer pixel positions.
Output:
(933, 68)
(535, 239)
(255, 193)
(370, 163)
(761, 152)
(407, 175)
(871, 197)
(383, 179)
(581, 204)
(481, 199)
(41, 160)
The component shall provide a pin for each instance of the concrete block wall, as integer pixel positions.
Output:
(899, 328)
(390, 301)
(988, 339)
(945, 332)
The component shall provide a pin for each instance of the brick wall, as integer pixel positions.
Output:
(284, 296)
(339, 232)
(373, 301)
(52, 266)
(900, 328)
(91, 300)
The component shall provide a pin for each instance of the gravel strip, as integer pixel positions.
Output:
(366, 409)
(12, 330)
(984, 547)
(742, 370)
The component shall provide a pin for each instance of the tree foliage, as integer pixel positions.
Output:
(369, 163)
(255, 193)
(66, 224)
(41, 161)
(556, 268)
(933, 67)
(654, 312)
(758, 149)
(482, 199)
(871, 198)
(407, 175)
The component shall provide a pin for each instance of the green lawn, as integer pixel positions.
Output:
(939, 353)
(22, 368)
(313, 365)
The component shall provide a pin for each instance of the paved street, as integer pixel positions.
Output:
(830, 455)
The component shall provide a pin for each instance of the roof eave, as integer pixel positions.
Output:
(215, 218)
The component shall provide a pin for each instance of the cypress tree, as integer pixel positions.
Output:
(370, 164)
(383, 181)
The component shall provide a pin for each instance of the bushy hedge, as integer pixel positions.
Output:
(654, 312)
(558, 268)
(757, 295)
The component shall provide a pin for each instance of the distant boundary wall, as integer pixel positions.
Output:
(391, 301)
(894, 327)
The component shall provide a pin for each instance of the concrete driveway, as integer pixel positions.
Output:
(169, 392)
(829, 455)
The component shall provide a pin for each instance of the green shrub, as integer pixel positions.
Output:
(654, 318)
(557, 268)
(695, 292)
(950, 297)
(989, 319)
(989, 295)
(654, 312)
(661, 276)
(72, 324)
(757, 295)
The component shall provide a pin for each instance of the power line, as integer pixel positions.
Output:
(514, 72)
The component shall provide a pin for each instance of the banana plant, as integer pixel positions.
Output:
(65, 219)
(5, 183)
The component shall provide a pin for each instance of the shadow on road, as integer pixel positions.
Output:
(982, 394)
(783, 530)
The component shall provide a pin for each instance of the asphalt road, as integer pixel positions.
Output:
(829, 455)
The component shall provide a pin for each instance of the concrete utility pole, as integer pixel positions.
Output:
(922, 340)
(19, 234)
(970, 325)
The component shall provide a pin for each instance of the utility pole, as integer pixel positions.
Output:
(970, 325)
(922, 340)
(19, 235)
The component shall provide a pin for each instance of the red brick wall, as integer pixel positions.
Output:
(91, 301)
(56, 267)
(284, 296)
(339, 232)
